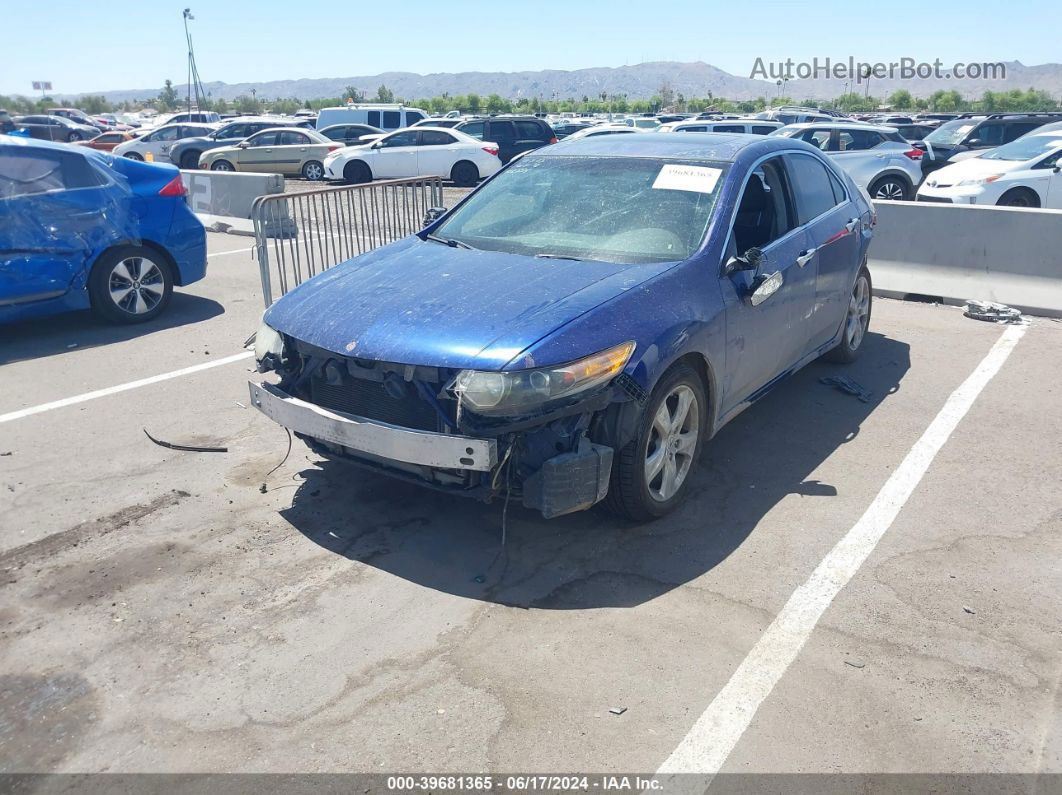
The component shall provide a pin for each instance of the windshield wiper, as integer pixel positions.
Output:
(448, 241)
(558, 256)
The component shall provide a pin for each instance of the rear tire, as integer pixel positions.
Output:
(891, 188)
(357, 173)
(74, 136)
(651, 474)
(464, 174)
(222, 165)
(134, 156)
(313, 171)
(856, 321)
(190, 160)
(130, 284)
(1019, 197)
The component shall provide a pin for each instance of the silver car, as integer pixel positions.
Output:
(876, 157)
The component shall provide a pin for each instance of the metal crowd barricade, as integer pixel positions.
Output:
(298, 235)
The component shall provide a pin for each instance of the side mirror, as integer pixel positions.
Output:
(974, 142)
(433, 214)
(243, 144)
(749, 261)
(764, 287)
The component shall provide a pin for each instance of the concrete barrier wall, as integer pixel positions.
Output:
(1004, 254)
(225, 197)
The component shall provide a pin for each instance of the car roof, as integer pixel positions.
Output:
(723, 147)
(843, 125)
(55, 146)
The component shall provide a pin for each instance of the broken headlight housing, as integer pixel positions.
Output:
(268, 348)
(523, 391)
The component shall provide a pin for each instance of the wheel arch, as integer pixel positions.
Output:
(892, 172)
(158, 248)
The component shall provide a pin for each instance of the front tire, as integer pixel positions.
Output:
(135, 156)
(222, 165)
(891, 188)
(464, 174)
(313, 171)
(131, 284)
(856, 321)
(74, 136)
(1019, 197)
(356, 173)
(650, 475)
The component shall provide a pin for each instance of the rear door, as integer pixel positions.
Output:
(530, 135)
(504, 134)
(831, 221)
(56, 212)
(437, 154)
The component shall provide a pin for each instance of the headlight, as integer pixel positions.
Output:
(520, 391)
(978, 180)
(268, 342)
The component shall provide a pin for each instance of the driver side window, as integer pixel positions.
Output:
(765, 212)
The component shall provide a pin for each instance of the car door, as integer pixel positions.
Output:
(260, 154)
(504, 134)
(294, 147)
(395, 155)
(1050, 170)
(763, 338)
(831, 222)
(529, 135)
(56, 212)
(437, 153)
(159, 142)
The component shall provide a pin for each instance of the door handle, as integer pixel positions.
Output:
(805, 257)
(851, 225)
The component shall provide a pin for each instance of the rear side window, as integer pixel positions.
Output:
(28, 171)
(473, 128)
(812, 187)
(502, 132)
(698, 128)
(435, 138)
(762, 129)
(729, 128)
(1016, 131)
(392, 120)
(374, 118)
(412, 117)
(531, 130)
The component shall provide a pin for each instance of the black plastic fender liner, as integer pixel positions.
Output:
(570, 482)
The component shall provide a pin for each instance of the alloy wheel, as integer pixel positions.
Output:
(890, 190)
(672, 443)
(858, 313)
(136, 285)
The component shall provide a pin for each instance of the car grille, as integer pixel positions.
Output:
(371, 400)
(937, 199)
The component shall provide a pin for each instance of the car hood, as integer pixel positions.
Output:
(974, 167)
(419, 302)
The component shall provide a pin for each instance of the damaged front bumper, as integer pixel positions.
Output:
(410, 446)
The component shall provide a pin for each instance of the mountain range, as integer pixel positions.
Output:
(639, 81)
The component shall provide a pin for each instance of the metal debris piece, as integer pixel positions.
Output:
(846, 384)
(5, 453)
(969, 610)
(992, 312)
(617, 710)
(855, 663)
(185, 447)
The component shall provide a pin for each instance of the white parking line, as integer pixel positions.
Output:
(112, 390)
(715, 734)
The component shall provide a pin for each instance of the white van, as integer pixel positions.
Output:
(747, 126)
(384, 117)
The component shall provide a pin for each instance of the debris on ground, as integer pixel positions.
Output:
(617, 710)
(855, 663)
(991, 312)
(6, 453)
(846, 384)
(969, 610)
(241, 405)
(188, 448)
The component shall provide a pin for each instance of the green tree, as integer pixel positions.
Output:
(495, 104)
(350, 92)
(900, 100)
(168, 96)
(384, 94)
(474, 103)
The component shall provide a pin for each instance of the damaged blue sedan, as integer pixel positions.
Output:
(576, 329)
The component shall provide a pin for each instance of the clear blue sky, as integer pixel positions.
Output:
(85, 46)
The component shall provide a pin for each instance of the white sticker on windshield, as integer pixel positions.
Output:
(699, 179)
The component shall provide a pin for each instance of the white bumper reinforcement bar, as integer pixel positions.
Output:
(411, 446)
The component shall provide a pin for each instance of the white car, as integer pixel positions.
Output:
(1023, 173)
(643, 123)
(156, 144)
(603, 129)
(420, 152)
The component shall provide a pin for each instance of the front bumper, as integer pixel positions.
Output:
(436, 450)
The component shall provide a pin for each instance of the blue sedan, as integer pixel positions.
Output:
(578, 327)
(81, 229)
